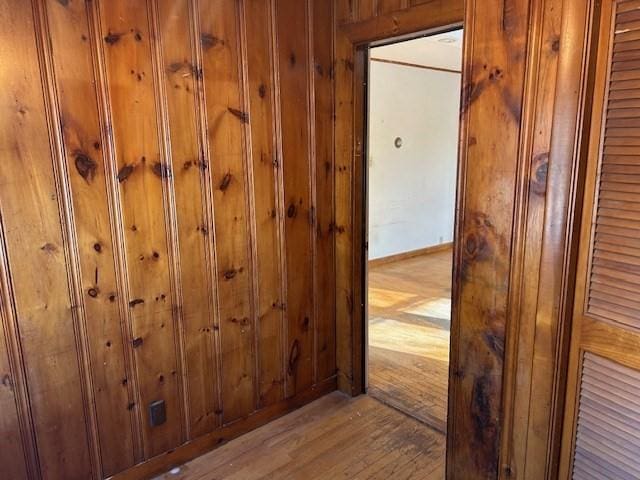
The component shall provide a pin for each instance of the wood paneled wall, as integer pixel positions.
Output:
(180, 222)
(364, 10)
(166, 192)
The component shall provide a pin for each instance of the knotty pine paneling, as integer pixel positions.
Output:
(37, 253)
(13, 452)
(87, 170)
(267, 197)
(167, 226)
(294, 65)
(191, 186)
(226, 120)
(364, 10)
(325, 286)
(143, 175)
(494, 81)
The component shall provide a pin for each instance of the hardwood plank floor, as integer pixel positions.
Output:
(409, 323)
(333, 437)
(385, 434)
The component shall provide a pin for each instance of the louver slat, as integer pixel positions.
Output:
(615, 257)
(608, 431)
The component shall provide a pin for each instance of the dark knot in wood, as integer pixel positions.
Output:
(125, 172)
(209, 41)
(85, 166)
(242, 116)
(111, 38)
(161, 170)
(294, 357)
(540, 170)
(225, 182)
(292, 211)
(485, 427)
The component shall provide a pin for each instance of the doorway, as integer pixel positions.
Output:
(413, 106)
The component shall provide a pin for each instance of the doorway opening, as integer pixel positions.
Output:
(413, 115)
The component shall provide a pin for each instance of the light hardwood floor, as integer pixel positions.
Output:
(333, 437)
(364, 437)
(409, 320)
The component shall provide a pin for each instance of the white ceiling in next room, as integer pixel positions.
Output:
(439, 51)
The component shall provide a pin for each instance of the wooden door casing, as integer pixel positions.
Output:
(606, 317)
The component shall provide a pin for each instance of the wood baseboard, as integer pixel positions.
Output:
(411, 254)
(199, 446)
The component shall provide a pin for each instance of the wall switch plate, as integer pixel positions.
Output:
(157, 413)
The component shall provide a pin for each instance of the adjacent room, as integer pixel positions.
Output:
(414, 110)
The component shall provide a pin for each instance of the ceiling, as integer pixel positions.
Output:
(441, 51)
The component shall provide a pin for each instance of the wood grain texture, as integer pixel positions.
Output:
(343, 155)
(322, 127)
(172, 230)
(13, 454)
(312, 443)
(394, 18)
(556, 92)
(267, 192)
(87, 172)
(220, 436)
(36, 257)
(146, 249)
(138, 156)
(492, 76)
(179, 70)
(227, 121)
(294, 64)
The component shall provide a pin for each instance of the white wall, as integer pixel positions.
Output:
(411, 189)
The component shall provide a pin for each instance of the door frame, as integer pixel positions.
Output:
(351, 76)
(362, 102)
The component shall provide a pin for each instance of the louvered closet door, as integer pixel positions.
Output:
(601, 437)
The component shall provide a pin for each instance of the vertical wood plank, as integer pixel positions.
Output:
(493, 86)
(72, 59)
(21, 429)
(13, 460)
(266, 192)
(226, 124)
(413, 3)
(141, 174)
(163, 169)
(343, 154)
(293, 65)
(533, 333)
(36, 258)
(324, 266)
(389, 6)
(573, 111)
(181, 73)
(367, 9)
(347, 11)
